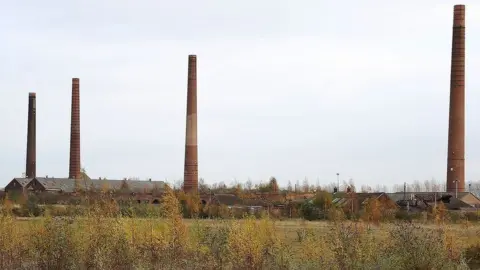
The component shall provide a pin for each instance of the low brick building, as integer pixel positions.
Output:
(123, 190)
(354, 202)
(17, 184)
(424, 200)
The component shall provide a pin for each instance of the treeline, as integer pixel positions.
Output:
(307, 186)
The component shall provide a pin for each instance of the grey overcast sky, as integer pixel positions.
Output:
(290, 89)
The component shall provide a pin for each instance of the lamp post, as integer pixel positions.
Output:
(338, 181)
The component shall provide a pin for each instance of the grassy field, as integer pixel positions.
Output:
(101, 242)
(103, 238)
(467, 234)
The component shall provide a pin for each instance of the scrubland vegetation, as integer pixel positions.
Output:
(106, 238)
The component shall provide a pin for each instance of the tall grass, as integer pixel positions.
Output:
(103, 239)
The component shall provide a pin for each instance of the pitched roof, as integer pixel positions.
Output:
(68, 185)
(227, 199)
(60, 184)
(23, 181)
(429, 196)
(133, 185)
(345, 198)
(460, 193)
(340, 201)
(457, 203)
(400, 196)
(363, 197)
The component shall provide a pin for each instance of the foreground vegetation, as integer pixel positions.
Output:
(103, 239)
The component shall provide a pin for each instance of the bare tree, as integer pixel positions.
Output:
(365, 188)
(329, 187)
(409, 188)
(178, 184)
(214, 186)
(249, 184)
(345, 185)
(202, 186)
(222, 186)
(352, 184)
(289, 188)
(416, 186)
(397, 188)
(306, 186)
(381, 188)
(435, 185)
(474, 187)
(428, 185)
(234, 182)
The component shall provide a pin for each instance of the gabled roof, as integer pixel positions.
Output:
(429, 196)
(400, 196)
(59, 184)
(345, 198)
(472, 193)
(227, 199)
(133, 185)
(22, 181)
(456, 204)
(69, 185)
(340, 201)
(363, 197)
(460, 194)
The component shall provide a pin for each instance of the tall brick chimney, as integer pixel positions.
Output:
(190, 176)
(74, 167)
(456, 125)
(31, 166)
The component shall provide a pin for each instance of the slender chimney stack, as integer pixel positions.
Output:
(31, 167)
(74, 167)
(456, 128)
(190, 176)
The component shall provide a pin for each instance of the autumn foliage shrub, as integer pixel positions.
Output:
(416, 247)
(12, 241)
(103, 237)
